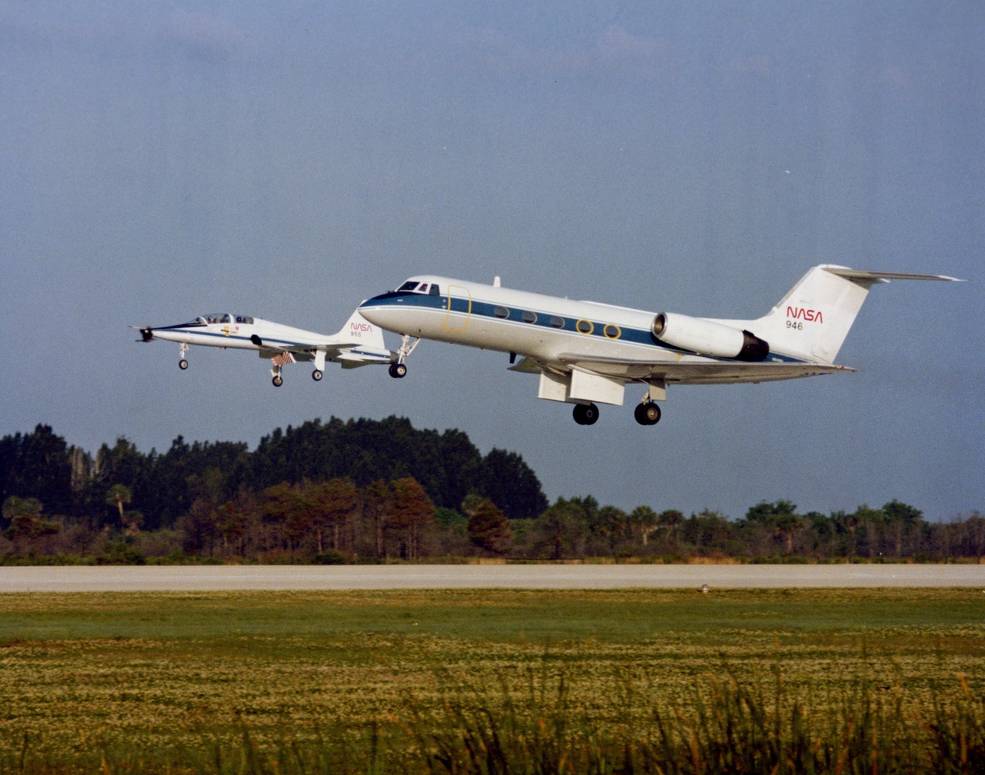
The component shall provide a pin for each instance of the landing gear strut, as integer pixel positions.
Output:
(647, 413)
(182, 352)
(398, 369)
(586, 414)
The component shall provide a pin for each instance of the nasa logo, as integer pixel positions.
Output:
(360, 328)
(804, 313)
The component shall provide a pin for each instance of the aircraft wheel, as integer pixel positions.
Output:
(647, 413)
(586, 414)
(398, 370)
(278, 380)
(317, 374)
(182, 364)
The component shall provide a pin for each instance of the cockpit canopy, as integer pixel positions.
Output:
(220, 317)
(416, 286)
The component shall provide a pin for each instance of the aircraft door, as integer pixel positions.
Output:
(458, 308)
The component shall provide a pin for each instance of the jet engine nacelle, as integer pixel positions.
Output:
(708, 338)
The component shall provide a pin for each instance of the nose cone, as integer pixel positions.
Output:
(383, 310)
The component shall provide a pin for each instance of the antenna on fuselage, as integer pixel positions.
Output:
(496, 282)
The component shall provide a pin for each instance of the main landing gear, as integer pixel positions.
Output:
(278, 380)
(586, 414)
(317, 374)
(182, 352)
(398, 369)
(647, 413)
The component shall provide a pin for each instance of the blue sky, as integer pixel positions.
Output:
(290, 159)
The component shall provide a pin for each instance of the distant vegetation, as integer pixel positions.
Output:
(379, 491)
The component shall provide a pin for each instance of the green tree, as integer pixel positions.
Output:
(489, 528)
(118, 496)
(561, 529)
(25, 523)
(904, 520)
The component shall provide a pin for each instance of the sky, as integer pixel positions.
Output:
(287, 160)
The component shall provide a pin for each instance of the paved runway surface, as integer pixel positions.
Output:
(307, 577)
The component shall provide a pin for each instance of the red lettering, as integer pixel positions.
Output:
(805, 313)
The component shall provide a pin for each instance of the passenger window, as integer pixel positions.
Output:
(435, 291)
(557, 322)
(529, 317)
(501, 312)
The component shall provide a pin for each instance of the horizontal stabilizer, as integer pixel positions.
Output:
(859, 274)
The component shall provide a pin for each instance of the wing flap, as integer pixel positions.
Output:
(698, 372)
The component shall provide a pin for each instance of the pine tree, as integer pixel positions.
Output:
(489, 529)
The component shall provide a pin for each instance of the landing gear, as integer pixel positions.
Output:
(317, 374)
(647, 413)
(278, 380)
(398, 370)
(182, 364)
(586, 414)
(182, 352)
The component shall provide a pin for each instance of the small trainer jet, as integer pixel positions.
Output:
(585, 352)
(359, 343)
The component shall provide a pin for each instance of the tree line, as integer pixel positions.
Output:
(375, 491)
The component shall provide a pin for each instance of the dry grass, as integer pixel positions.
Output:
(169, 678)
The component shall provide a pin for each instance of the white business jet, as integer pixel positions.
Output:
(359, 343)
(585, 352)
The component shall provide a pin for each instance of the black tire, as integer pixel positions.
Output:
(278, 380)
(398, 370)
(647, 413)
(182, 364)
(586, 414)
(316, 375)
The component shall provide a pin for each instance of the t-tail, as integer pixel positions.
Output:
(811, 322)
(358, 329)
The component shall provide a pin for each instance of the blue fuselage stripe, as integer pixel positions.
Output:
(547, 320)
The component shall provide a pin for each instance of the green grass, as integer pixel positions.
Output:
(171, 677)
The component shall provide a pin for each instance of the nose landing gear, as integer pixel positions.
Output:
(398, 369)
(182, 352)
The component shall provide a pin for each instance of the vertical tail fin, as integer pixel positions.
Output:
(359, 330)
(813, 319)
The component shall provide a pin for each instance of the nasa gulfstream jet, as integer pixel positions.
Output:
(358, 343)
(585, 352)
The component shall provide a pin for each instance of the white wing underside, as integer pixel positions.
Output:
(682, 373)
(305, 352)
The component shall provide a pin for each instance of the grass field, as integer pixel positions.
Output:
(135, 681)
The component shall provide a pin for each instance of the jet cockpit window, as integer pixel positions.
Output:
(227, 318)
(408, 286)
(423, 288)
(435, 291)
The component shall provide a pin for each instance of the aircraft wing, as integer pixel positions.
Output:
(692, 372)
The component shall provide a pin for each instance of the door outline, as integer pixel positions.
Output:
(451, 322)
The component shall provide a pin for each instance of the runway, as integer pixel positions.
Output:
(227, 578)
